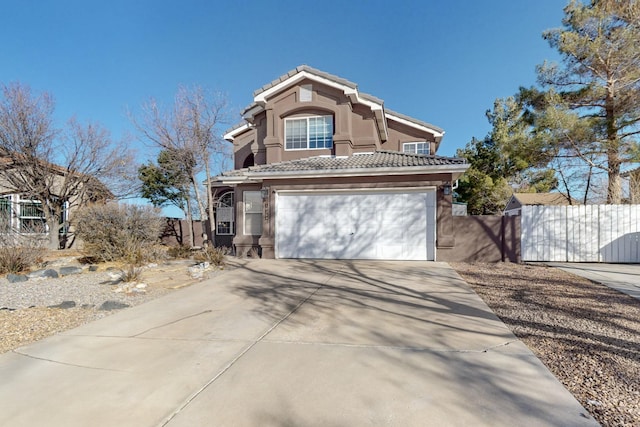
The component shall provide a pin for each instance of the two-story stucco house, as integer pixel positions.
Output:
(323, 170)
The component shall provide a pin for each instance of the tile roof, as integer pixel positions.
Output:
(338, 80)
(310, 70)
(416, 121)
(543, 199)
(375, 160)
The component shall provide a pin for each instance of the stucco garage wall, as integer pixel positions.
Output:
(484, 239)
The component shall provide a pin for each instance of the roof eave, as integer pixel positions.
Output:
(232, 134)
(257, 176)
(436, 132)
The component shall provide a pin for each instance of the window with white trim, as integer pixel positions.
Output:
(416, 148)
(31, 216)
(225, 220)
(308, 133)
(252, 202)
(23, 214)
(5, 213)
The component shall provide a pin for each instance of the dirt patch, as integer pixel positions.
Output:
(587, 334)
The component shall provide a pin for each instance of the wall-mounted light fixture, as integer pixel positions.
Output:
(264, 193)
(446, 188)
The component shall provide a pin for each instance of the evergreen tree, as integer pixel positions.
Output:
(510, 158)
(591, 109)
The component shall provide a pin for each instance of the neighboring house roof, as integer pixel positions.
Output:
(95, 189)
(349, 88)
(375, 163)
(630, 172)
(544, 199)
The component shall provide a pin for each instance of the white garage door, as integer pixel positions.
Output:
(356, 225)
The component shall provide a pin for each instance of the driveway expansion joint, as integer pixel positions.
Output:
(395, 347)
(194, 395)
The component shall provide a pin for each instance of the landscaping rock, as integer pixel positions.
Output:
(69, 270)
(130, 288)
(42, 274)
(64, 305)
(196, 272)
(115, 274)
(93, 268)
(112, 305)
(15, 278)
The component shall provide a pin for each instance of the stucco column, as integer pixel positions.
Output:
(267, 241)
(272, 142)
(343, 145)
(445, 237)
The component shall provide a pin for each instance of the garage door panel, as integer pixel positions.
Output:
(359, 225)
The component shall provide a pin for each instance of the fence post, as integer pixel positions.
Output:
(502, 237)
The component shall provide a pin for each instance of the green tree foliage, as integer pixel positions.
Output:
(167, 181)
(509, 158)
(591, 109)
(191, 128)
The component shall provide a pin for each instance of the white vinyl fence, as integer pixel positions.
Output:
(591, 233)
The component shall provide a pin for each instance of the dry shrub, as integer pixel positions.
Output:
(132, 274)
(119, 232)
(214, 256)
(19, 252)
(179, 251)
(15, 259)
(253, 253)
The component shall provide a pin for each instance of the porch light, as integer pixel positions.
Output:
(264, 193)
(447, 189)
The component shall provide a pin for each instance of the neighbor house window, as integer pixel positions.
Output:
(31, 217)
(25, 215)
(308, 133)
(252, 213)
(5, 213)
(224, 215)
(416, 148)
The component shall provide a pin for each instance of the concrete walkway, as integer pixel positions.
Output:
(621, 277)
(292, 343)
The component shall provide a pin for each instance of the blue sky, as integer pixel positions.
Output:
(443, 62)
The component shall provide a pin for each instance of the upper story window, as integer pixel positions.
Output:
(416, 148)
(308, 133)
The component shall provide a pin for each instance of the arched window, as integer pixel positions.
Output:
(225, 218)
(249, 161)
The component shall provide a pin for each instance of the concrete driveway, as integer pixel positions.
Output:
(292, 343)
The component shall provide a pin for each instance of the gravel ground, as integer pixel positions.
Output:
(27, 315)
(587, 334)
